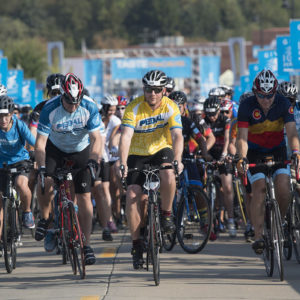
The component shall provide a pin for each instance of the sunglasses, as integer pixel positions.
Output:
(120, 108)
(156, 90)
(169, 90)
(262, 96)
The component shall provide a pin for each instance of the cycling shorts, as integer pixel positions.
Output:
(104, 174)
(55, 158)
(137, 161)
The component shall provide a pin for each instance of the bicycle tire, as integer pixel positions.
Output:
(278, 240)
(8, 236)
(77, 244)
(296, 229)
(67, 238)
(34, 209)
(193, 228)
(153, 241)
(268, 253)
(288, 247)
(241, 200)
(168, 240)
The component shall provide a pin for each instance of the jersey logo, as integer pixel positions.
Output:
(256, 114)
(291, 110)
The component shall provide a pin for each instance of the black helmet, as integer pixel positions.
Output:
(155, 78)
(211, 106)
(170, 86)
(54, 81)
(288, 90)
(6, 104)
(178, 97)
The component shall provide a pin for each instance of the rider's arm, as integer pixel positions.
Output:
(292, 136)
(226, 140)
(95, 145)
(125, 141)
(242, 142)
(177, 143)
(40, 150)
(210, 139)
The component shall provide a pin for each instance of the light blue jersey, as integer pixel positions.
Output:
(13, 141)
(69, 132)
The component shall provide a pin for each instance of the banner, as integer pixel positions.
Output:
(238, 91)
(39, 96)
(253, 71)
(209, 73)
(246, 84)
(284, 54)
(295, 43)
(3, 70)
(136, 68)
(28, 92)
(14, 84)
(93, 79)
(237, 50)
(267, 59)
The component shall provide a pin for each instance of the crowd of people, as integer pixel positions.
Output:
(160, 127)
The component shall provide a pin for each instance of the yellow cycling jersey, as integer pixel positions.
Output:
(152, 129)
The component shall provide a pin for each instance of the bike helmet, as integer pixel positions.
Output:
(122, 101)
(54, 82)
(109, 100)
(288, 90)
(72, 89)
(211, 106)
(6, 104)
(170, 86)
(265, 83)
(227, 89)
(219, 92)
(155, 78)
(244, 96)
(178, 97)
(226, 105)
(3, 90)
(196, 103)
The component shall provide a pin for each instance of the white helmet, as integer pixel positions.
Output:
(217, 91)
(109, 99)
(3, 90)
(155, 78)
(196, 103)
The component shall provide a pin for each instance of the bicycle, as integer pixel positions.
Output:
(12, 223)
(153, 232)
(292, 232)
(194, 214)
(67, 228)
(273, 232)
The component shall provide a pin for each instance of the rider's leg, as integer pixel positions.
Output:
(21, 183)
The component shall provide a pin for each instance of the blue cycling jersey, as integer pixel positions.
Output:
(69, 132)
(13, 141)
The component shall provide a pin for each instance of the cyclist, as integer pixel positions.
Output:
(170, 86)
(151, 133)
(53, 85)
(13, 135)
(220, 126)
(228, 91)
(261, 120)
(102, 188)
(217, 92)
(17, 111)
(69, 128)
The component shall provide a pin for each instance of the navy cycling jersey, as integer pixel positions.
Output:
(13, 141)
(69, 132)
(265, 132)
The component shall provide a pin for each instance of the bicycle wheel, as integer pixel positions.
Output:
(240, 195)
(77, 254)
(168, 240)
(8, 236)
(268, 253)
(34, 209)
(67, 238)
(277, 236)
(193, 220)
(154, 241)
(295, 228)
(288, 245)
